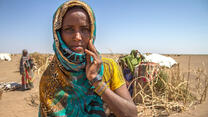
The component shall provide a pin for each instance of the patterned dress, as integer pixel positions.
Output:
(26, 70)
(63, 95)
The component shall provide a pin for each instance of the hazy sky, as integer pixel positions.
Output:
(154, 26)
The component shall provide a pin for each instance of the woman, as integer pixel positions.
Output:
(77, 81)
(26, 70)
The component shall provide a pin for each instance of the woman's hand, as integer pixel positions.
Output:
(92, 67)
(120, 100)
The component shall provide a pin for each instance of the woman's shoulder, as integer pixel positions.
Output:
(110, 64)
(112, 73)
(108, 61)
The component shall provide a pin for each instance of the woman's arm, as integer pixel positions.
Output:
(21, 69)
(120, 101)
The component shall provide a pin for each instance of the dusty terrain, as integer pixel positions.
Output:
(25, 103)
(16, 103)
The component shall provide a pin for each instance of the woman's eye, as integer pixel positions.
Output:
(68, 30)
(85, 30)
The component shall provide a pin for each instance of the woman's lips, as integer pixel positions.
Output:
(77, 48)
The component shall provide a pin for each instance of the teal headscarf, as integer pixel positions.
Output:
(71, 61)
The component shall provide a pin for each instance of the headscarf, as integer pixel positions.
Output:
(24, 52)
(78, 95)
(71, 61)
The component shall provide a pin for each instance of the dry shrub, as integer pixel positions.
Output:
(201, 79)
(39, 59)
(169, 92)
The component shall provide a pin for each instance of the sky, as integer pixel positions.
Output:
(150, 26)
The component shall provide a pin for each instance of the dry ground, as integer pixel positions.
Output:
(19, 104)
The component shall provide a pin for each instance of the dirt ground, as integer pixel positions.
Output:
(25, 103)
(16, 103)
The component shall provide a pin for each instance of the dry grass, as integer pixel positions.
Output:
(169, 93)
(41, 61)
(201, 79)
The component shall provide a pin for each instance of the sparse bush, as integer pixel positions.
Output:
(159, 81)
(168, 93)
(39, 59)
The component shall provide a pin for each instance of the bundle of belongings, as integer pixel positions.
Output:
(140, 69)
(9, 86)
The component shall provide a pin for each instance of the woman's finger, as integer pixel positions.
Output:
(94, 56)
(92, 47)
(88, 60)
(88, 52)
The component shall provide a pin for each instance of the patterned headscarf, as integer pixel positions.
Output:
(71, 61)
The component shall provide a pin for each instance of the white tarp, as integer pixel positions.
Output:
(5, 56)
(160, 59)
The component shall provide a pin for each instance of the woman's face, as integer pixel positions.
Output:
(24, 53)
(75, 30)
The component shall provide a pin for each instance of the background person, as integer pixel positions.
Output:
(26, 70)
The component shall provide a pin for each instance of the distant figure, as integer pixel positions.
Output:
(26, 65)
(128, 77)
(133, 60)
(128, 64)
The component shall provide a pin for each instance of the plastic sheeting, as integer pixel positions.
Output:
(160, 59)
(5, 56)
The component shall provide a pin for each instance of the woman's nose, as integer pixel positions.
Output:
(77, 36)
